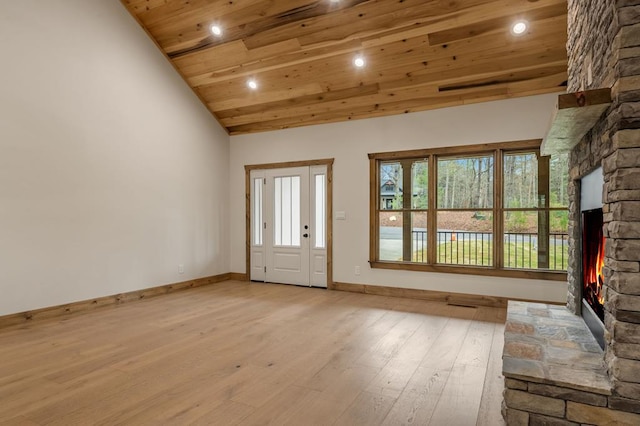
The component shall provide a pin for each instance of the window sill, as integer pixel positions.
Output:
(473, 270)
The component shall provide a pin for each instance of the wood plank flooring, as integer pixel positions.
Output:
(238, 353)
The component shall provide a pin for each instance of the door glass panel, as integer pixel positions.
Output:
(257, 211)
(319, 232)
(287, 211)
(295, 210)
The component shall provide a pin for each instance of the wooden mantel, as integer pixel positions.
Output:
(575, 114)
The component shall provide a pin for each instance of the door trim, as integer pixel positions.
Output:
(247, 187)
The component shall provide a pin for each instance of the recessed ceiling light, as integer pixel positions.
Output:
(359, 61)
(216, 30)
(519, 27)
(252, 84)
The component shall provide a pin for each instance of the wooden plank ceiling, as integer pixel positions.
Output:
(420, 54)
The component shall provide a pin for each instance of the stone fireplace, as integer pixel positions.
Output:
(554, 371)
(604, 51)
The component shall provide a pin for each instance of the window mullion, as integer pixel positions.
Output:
(374, 209)
(407, 198)
(498, 212)
(432, 225)
(543, 215)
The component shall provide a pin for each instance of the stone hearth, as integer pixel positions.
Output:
(554, 370)
(604, 51)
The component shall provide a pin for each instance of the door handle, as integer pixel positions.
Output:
(305, 235)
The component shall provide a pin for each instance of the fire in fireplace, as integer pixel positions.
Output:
(593, 260)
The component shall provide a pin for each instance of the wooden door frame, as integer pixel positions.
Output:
(328, 162)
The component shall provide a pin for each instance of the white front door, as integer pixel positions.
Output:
(288, 226)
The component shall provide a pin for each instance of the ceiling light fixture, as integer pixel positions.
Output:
(519, 27)
(359, 61)
(216, 30)
(252, 84)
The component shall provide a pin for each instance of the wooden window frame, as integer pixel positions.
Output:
(498, 210)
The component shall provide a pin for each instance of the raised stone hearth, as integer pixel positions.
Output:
(554, 370)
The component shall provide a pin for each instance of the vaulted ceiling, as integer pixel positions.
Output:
(420, 54)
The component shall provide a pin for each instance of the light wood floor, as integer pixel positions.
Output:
(239, 353)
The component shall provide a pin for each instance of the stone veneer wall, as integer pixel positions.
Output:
(604, 51)
(592, 30)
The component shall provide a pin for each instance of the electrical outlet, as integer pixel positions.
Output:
(357, 270)
(181, 268)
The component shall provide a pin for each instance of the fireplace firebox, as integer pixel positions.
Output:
(593, 243)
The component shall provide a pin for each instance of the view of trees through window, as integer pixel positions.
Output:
(532, 220)
(465, 210)
(535, 217)
(465, 183)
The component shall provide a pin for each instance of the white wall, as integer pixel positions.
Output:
(349, 143)
(111, 171)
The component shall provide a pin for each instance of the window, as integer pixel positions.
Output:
(494, 209)
(465, 210)
(399, 242)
